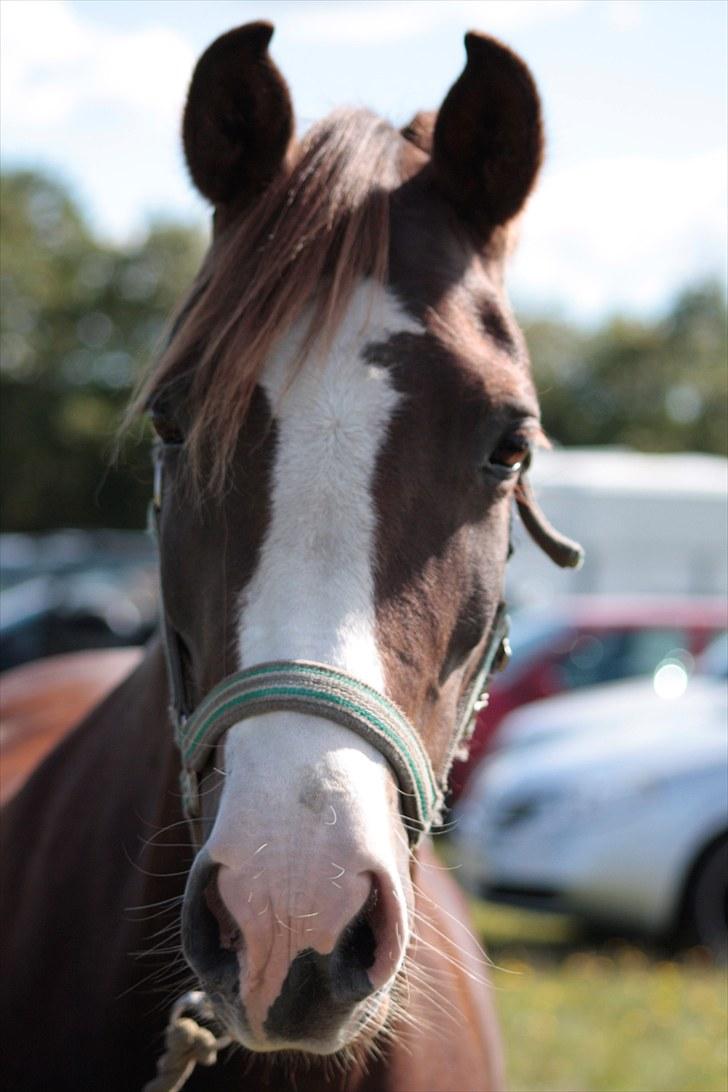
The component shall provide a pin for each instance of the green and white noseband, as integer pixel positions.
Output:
(301, 686)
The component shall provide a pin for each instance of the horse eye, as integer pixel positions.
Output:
(166, 428)
(509, 456)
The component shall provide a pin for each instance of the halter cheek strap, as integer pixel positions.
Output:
(315, 689)
(495, 658)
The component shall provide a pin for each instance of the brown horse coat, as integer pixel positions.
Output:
(41, 702)
(89, 1003)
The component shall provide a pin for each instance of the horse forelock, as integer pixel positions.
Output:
(323, 221)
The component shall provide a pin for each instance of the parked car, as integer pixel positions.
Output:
(621, 817)
(586, 640)
(73, 590)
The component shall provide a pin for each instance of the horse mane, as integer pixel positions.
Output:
(319, 227)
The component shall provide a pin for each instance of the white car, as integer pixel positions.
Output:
(611, 804)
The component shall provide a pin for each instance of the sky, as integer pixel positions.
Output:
(632, 201)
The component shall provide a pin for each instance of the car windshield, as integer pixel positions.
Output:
(531, 631)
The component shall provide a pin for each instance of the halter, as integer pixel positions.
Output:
(316, 689)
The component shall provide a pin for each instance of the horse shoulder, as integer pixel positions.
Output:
(41, 702)
(74, 862)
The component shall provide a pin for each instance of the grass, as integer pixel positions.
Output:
(609, 1017)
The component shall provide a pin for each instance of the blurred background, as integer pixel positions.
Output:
(590, 824)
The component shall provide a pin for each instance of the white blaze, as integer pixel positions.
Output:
(309, 813)
(312, 596)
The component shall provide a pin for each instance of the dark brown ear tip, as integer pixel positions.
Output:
(482, 50)
(259, 34)
(479, 46)
(475, 42)
(254, 36)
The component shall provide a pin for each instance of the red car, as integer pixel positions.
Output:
(587, 640)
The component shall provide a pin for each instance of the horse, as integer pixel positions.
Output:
(344, 417)
(40, 702)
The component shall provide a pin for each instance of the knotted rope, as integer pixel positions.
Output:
(188, 1043)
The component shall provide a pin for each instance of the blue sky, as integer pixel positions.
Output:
(633, 199)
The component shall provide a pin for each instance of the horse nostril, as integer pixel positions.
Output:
(320, 991)
(374, 940)
(358, 943)
(210, 937)
(230, 937)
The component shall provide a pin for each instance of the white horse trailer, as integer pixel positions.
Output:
(650, 523)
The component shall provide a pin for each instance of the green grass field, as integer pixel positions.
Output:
(604, 1018)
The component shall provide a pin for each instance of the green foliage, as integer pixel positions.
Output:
(612, 1025)
(654, 387)
(80, 317)
(612, 1018)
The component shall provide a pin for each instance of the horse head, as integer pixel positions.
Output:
(345, 416)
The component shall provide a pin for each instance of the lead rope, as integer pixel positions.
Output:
(188, 1043)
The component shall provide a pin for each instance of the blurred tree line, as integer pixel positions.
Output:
(80, 317)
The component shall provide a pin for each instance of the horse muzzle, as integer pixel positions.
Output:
(306, 981)
(296, 916)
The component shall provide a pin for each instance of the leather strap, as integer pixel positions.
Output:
(495, 658)
(170, 640)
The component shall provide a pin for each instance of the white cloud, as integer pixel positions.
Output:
(622, 233)
(374, 21)
(54, 64)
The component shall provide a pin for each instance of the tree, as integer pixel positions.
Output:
(78, 319)
(657, 386)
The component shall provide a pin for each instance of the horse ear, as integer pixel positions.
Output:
(487, 143)
(238, 120)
